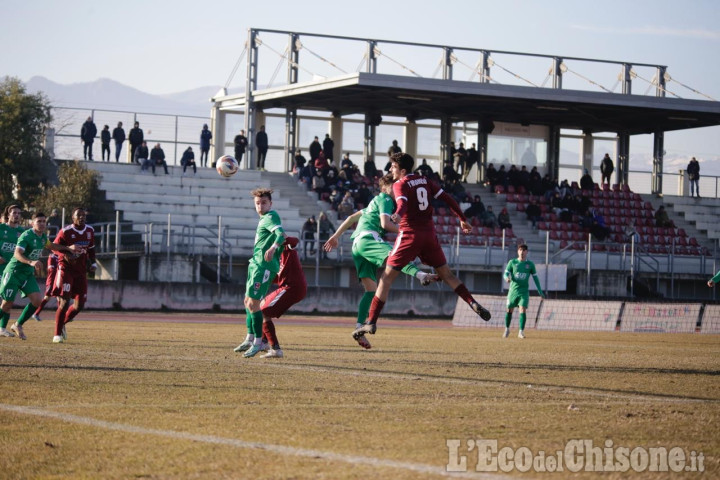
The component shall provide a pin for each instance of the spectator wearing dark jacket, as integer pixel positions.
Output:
(314, 150)
(157, 157)
(188, 159)
(328, 146)
(262, 144)
(119, 136)
(136, 138)
(105, 142)
(87, 136)
(142, 156)
(586, 181)
(533, 212)
(205, 137)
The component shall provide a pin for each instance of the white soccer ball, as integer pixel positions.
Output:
(227, 166)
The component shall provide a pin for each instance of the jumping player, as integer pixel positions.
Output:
(10, 231)
(416, 238)
(19, 273)
(262, 269)
(292, 288)
(370, 250)
(518, 274)
(71, 276)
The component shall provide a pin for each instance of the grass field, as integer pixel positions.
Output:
(167, 397)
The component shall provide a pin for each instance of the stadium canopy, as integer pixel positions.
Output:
(400, 91)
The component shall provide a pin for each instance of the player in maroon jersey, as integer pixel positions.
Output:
(416, 238)
(52, 264)
(292, 288)
(71, 276)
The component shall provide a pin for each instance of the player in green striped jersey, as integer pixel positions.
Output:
(263, 267)
(369, 249)
(518, 273)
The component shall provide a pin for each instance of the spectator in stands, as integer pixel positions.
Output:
(157, 157)
(459, 157)
(315, 149)
(424, 169)
(394, 148)
(662, 219)
(533, 212)
(136, 138)
(548, 186)
(370, 170)
(262, 144)
(502, 177)
(308, 235)
(504, 219)
(321, 163)
(142, 156)
(105, 143)
(476, 208)
(326, 229)
(449, 173)
(205, 137)
(470, 160)
(693, 173)
(300, 161)
(188, 159)
(363, 196)
(241, 143)
(586, 181)
(489, 219)
(87, 137)
(512, 177)
(536, 186)
(606, 169)
(491, 175)
(119, 136)
(586, 220)
(328, 146)
(318, 184)
(598, 229)
(347, 206)
(524, 178)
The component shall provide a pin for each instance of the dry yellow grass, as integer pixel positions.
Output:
(127, 399)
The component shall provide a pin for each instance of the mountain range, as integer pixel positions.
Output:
(106, 94)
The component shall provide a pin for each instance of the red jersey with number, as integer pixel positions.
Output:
(414, 195)
(74, 262)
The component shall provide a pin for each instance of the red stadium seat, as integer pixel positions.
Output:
(499, 189)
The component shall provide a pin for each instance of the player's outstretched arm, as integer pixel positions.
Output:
(332, 242)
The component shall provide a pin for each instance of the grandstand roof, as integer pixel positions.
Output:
(427, 98)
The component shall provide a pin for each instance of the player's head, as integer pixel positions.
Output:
(386, 182)
(39, 222)
(522, 251)
(78, 217)
(263, 200)
(13, 215)
(401, 165)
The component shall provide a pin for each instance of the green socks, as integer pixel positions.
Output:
(364, 307)
(523, 317)
(26, 313)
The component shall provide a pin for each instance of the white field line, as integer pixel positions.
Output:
(232, 442)
(402, 376)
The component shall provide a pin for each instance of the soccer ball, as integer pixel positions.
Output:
(227, 166)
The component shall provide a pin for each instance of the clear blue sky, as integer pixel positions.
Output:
(170, 46)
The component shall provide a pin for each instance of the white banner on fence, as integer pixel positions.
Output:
(711, 319)
(660, 317)
(465, 317)
(578, 315)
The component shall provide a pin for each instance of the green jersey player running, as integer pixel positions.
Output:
(10, 231)
(370, 250)
(518, 274)
(262, 269)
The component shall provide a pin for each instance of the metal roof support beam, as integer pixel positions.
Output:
(447, 64)
(627, 79)
(622, 154)
(658, 150)
(553, 151)
(661, 85)
(291, 123)
(293, 58)
(371, 64)
(445, 139)
(369, 140)
(557, 73)
(485, 67)
(250, 87)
